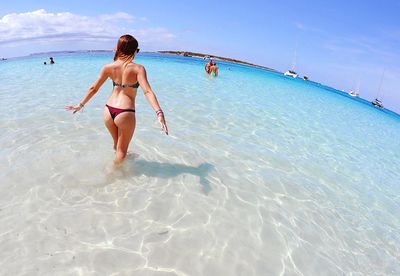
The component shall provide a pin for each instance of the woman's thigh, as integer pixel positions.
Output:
(109, 123)
(126, 123)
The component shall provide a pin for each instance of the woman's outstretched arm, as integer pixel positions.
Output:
(151, 97)
(104, 74)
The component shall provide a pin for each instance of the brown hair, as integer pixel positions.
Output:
(126, 47)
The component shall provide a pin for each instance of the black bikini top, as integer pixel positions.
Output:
(135, 85)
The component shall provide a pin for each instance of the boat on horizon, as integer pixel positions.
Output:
(377, 102)
(353, 93)
(291, 73)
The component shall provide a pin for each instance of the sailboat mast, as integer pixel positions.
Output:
(358, 86)
(294, 59)
(295, 54)
(380, 84)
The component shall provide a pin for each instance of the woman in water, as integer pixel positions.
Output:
(208, 66)
(119, 112)
(214, 70)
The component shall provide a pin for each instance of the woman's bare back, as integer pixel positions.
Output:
(125, 83)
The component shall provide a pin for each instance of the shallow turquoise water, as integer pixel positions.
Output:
(261, 175)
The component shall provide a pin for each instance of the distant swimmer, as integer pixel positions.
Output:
(119, 112)
(51, 60)
(45, 63)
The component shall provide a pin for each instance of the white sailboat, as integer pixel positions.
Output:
(377, 102)
(356, 92)
(353, 93)
(292, 73)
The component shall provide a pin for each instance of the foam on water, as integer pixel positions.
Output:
(261, 175)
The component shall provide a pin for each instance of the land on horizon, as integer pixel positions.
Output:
(200, 55)
(180, 53)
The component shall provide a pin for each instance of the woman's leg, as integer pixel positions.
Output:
(112, 128)
(126, 123)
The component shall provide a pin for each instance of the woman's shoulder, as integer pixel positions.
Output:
(136, 67)
(112, 66)
(108, 66)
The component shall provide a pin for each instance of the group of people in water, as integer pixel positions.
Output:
(51, 61)
(211, 68)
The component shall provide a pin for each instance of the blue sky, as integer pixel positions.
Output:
(339, 43)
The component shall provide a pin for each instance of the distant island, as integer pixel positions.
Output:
(180, 53)
(200, 55)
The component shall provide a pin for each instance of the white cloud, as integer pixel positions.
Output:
(299, 25)
(367, 47)
(307, 28)
(40, 25)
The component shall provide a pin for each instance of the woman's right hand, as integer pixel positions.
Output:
(161, 119)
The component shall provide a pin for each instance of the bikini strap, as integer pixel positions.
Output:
(135, 85)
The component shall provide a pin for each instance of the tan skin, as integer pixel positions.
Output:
(124, 71)
(214, 68)
(207, 67)
(211, 67)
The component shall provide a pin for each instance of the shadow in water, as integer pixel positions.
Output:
(168, 170)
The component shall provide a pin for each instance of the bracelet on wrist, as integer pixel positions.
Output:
(81, 105)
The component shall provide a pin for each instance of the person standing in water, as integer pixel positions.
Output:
(51, 60)
(208, 66)
(214, 69)
(119, 112)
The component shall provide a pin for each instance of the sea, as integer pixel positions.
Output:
(261, 174)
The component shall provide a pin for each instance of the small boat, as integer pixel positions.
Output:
(353, 93)
(377, 103)
(305, 78)
(291, 73)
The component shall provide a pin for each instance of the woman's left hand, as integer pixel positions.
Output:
(161, 119)
(74, 108)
